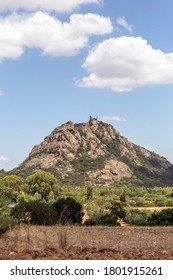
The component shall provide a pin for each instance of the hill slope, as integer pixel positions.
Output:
(94, 152)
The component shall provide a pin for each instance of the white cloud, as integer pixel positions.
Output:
(44, 5)
(3, 159)
(1, 93)
(113, 119)
(122, 22)
(125, 63)
(53, 37)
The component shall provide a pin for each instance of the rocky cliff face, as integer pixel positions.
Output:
(94, 152)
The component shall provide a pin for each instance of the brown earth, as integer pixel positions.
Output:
(90, 243)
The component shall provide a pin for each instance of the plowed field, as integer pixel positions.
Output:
(71, 242)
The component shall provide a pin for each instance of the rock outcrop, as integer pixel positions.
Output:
(95, 153)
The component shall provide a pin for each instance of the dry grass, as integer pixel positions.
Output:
(152, 209)
(70, 242)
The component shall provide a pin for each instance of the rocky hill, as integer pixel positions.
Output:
(94, 152)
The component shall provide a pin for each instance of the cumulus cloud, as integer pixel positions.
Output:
(121, 21)
(113, 119)
(53, 37)
(3, 159)
(125, 63)
(44, 5)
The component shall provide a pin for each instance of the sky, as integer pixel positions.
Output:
(64, 60)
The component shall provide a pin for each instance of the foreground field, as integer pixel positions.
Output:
(38, 242)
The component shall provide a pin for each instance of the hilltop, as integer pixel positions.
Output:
(95, 153)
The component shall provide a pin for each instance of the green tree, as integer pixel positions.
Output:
(117, 210)
(10, 187)
(43, 183)
(68, 211)
(34, 212)
(12, 181)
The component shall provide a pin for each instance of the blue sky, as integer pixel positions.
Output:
(67, 60)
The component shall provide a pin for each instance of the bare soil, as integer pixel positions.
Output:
(87, 243)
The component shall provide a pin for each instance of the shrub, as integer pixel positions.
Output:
(135, 216)
(105, 220)
(90, 222)
(89, 192)
(6, 223)
(68, 211)
(35, 212)
(162, 218)
(123, 198)
(94, 211)
(62, 240)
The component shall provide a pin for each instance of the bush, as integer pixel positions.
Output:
(162, 218)
(90, 222)
(89, 192)
(135, 216)
(6, 223)
(68, 211)
(105, 220)
(34, 212)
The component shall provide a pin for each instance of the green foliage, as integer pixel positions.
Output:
(12, 181)
(99, 216)
(51, 196)
(162, 218)
(123, 198)
(41, 213)
(68, 211)
(104, 220)
(7, 195)
(117, 210)
(43, 183)
(6, 222)
(37, 196)
(113, 147)
(10, 187)
(25, 197)
(34, 212)
(89, 192)
(135, 195)
(136, 216)
(85, 163)
(2, 173)
(75, 179)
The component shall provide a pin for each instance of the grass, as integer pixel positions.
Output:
(62, 239)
